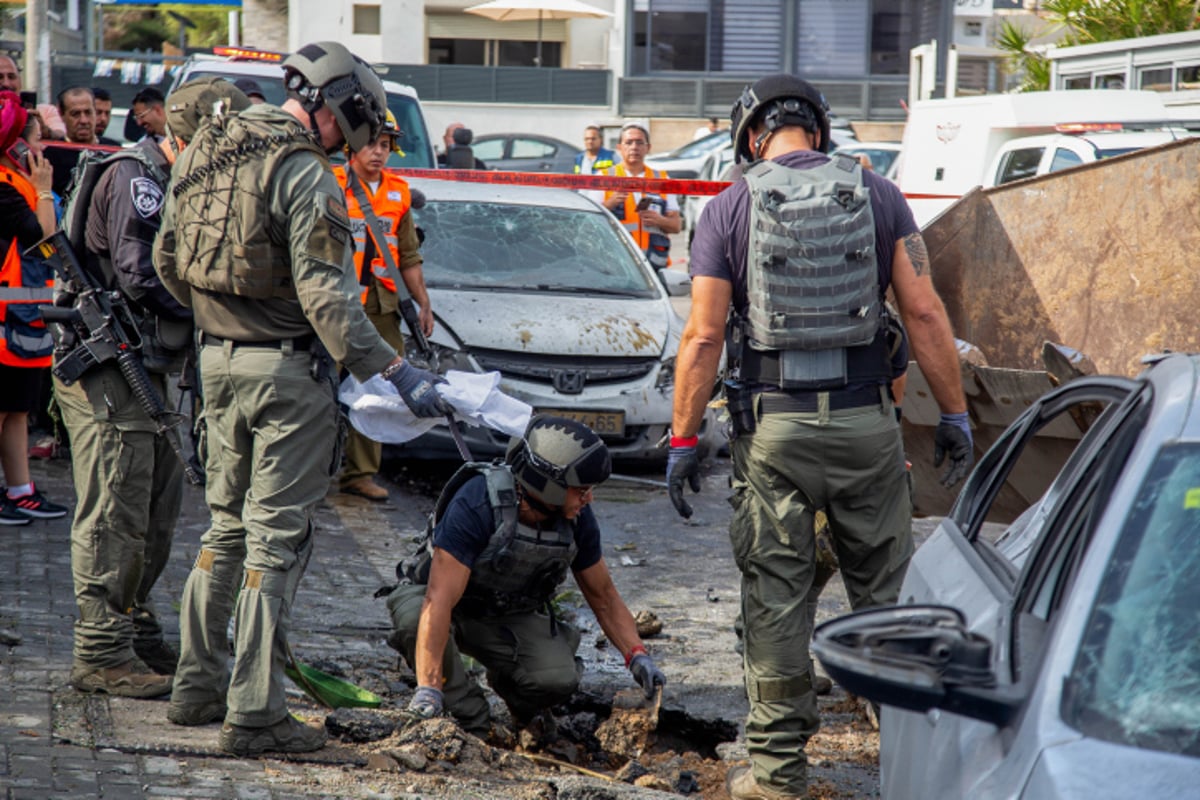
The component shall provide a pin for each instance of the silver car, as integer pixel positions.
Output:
(1061, 657)
(546, 288)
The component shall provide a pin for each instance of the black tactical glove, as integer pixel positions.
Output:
(953, 436)
(646, 674)
(416, 388)
(426, 703)
(682, 465)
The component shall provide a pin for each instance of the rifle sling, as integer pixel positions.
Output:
(378, 234)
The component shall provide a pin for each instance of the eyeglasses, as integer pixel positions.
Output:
(636, 143)
(138, 116)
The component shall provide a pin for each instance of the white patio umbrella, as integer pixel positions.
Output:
(525, 10)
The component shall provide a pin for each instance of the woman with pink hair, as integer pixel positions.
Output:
(26, 216)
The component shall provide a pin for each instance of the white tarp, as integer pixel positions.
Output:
(377, 412)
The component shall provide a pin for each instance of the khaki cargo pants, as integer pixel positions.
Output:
(850, 463)
(129, 488)
(270, 452)
(530, 668)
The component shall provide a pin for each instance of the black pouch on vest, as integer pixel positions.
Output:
(165, 344)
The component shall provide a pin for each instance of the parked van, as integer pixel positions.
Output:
(951, 145)
(265, 69)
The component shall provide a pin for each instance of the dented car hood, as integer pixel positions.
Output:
(580, 325)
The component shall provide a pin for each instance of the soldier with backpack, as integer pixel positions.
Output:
(128, 479)
(502, 538)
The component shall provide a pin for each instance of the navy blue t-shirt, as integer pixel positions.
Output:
(464, 530)
(723, 233)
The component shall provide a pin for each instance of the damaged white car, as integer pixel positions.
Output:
(546, 288)
(1060, 659)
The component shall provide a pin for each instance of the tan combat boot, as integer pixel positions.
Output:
(131, 679)
(368, 488)
(741, 785)
(289, 735)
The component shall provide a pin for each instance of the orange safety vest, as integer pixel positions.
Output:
(23, 287)
(390, 202)
(631, 219)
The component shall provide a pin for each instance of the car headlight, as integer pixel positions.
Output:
(444, 358)
(666, 374)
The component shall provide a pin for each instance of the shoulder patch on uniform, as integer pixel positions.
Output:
(335, 209)
(147, 197)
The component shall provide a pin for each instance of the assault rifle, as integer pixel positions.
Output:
(101, 328)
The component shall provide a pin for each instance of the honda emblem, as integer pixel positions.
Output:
(568, 381)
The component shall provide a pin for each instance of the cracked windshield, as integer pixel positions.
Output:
(520, 248)
(1139, 669)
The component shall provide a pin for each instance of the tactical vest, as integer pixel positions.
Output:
(222, 197)
(520, 567)
(814, 314)
(77, 202)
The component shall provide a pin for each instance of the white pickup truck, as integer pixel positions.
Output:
(953, 145)
(1041, 155)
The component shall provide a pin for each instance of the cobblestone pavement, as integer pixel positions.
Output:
(56, 742)
(36, 601)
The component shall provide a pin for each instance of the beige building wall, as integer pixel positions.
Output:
(265, 24)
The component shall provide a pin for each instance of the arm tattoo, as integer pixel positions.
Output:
(914, 245)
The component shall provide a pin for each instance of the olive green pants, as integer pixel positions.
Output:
(528, 666)
(270, 450)
(129, 488)
(363, 455)
(851, 464)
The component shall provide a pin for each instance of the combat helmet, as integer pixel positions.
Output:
(775, 101)
(189, 105)
(555, 454)
(327, 74)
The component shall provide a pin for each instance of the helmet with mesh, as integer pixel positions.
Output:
(556, 454)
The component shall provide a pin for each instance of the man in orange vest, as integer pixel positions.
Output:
(648, 216)
(392, 203)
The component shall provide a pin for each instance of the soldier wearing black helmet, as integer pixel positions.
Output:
(502, 539)
(256, 241)
(803, 250)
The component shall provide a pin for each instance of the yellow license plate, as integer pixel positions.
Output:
(605, 423)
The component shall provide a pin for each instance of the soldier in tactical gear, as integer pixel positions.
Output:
(256, 240)
(804, 248)
(503, 538)
(128, 479)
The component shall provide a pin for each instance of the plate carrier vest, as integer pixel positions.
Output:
(221, 200)
(520, 567)
(814, 316)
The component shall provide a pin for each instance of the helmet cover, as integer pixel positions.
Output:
(189, 105)
(556, 454)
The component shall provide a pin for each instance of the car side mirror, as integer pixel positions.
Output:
(677, 284)
(916, 658)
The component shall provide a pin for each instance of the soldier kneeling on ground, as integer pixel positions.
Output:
(502, 539)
